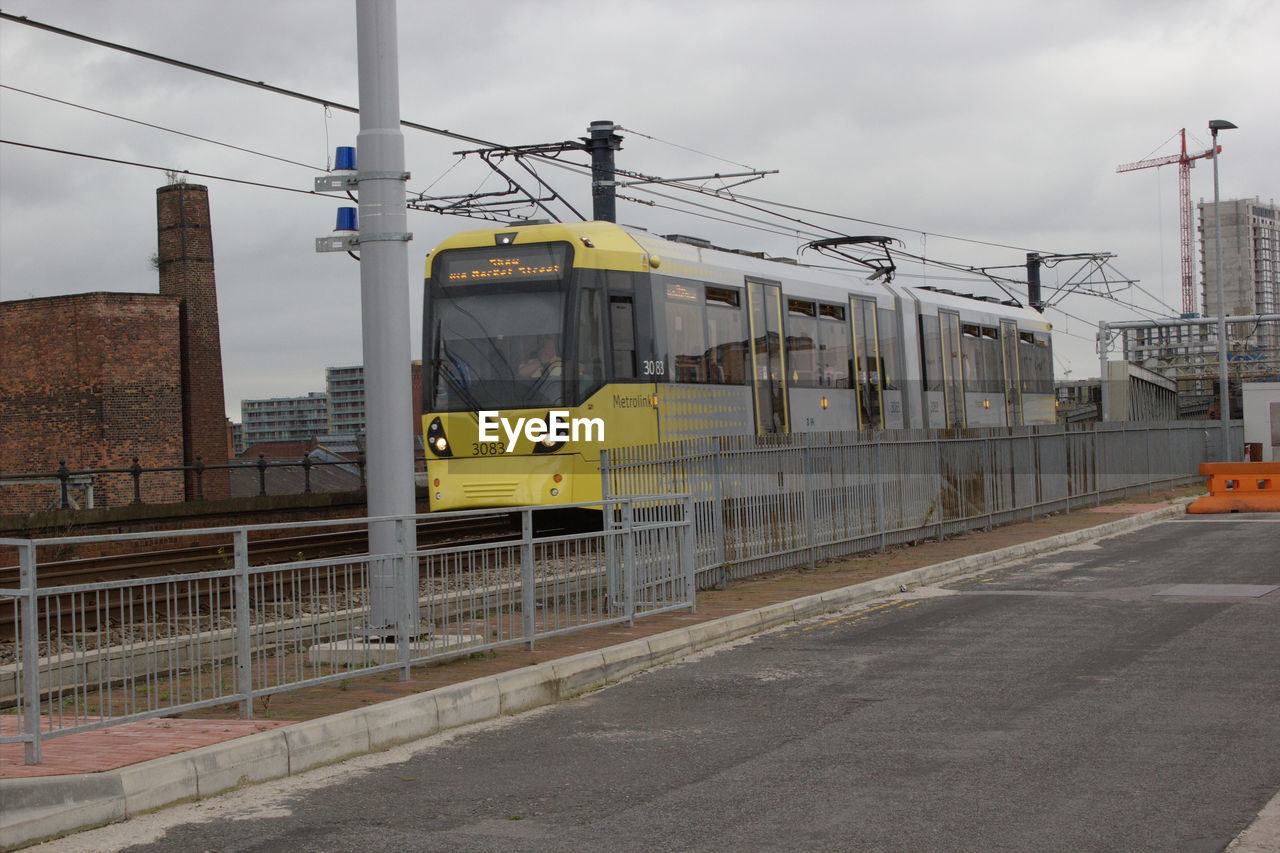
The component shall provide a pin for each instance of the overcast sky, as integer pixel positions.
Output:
(998, 122)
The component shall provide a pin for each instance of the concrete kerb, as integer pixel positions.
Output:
(327, 740)
(626, 659)
(158, 783)
(255, 758)
(525, 689)
(408, 719)
(578, 674)
(51, 805)
(41, 807)
(466, 703)
(773, 615)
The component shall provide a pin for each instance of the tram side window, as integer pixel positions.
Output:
(993, 360)
(889, 361)
(686, 334)
(802, 340)
(591, 354)
(982, 362)
(622, 325)
(971, 357)
(931, 351)
(1035, 362)
(835, 349)
(727, 347)
(868, 368)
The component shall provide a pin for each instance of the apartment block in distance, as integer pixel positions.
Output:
(284, 418)
(1250, 265)
(347, 403)
(346, 398)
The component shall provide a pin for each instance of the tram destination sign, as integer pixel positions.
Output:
(537, 262)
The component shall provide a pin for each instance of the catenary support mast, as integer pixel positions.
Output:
(384, 303)
(602, 143)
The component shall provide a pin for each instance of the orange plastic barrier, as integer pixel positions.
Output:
(1240, 487)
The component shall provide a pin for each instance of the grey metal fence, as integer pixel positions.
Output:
(86, 488)
(91, 655)
(763, 504)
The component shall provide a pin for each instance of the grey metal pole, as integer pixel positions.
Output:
(1034, 299)
(1224, 392)
(243, 638)
(29, 639)
(1104, 346)
(602, 143)
(384, 306)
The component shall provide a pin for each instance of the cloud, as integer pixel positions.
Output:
(997, 121)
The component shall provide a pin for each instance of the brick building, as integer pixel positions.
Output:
(96, 379)
(185, 256)
(93, 380)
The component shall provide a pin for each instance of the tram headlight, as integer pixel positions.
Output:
(549, 443)
(437, 441)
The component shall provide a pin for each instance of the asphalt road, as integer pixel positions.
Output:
(1081, 701)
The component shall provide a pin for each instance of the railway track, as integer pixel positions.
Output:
(212, 557)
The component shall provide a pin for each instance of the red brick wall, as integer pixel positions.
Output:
(91, 379)
(185, 254)
(415, 380)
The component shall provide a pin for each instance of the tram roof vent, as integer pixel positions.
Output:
(692, 241)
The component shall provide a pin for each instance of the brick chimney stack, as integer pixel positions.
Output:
(185, 256)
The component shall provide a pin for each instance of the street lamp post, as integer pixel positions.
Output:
(1224, 394)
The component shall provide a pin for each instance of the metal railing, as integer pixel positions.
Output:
(97, 654)
(775, 502)
(75, 489)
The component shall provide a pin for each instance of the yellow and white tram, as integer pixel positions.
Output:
(544, 344)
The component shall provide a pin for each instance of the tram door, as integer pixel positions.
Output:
(952, 371)
(1012, 385)
(768, 373)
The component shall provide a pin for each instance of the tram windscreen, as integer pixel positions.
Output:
(496, 327)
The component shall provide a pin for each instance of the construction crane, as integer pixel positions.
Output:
(1187, 228)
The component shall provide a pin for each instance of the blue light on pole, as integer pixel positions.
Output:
(348, 220)
(346, 159)
(343, 178)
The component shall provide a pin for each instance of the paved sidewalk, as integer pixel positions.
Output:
(119, 746)
(485, 685)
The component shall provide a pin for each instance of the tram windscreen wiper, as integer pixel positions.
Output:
(455, 371)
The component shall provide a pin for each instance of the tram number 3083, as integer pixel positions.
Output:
(488, 448)
(654, 368)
